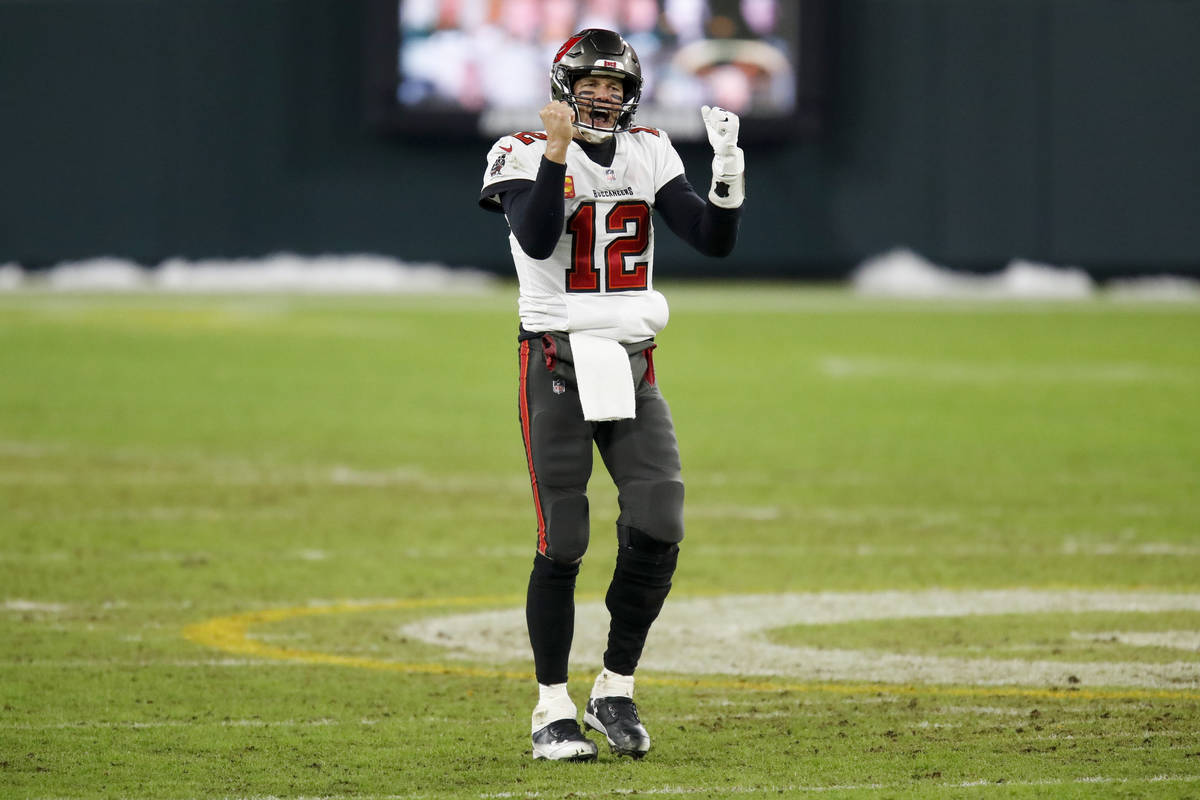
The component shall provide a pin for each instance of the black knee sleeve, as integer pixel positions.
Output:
(642, 543)
(640, 584)
(655, 508)
(550, 617)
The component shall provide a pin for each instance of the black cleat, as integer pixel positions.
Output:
(617, 719)
(562, 740)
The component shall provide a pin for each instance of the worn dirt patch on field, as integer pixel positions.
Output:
(727, 636)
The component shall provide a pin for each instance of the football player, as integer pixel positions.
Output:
(578, 197)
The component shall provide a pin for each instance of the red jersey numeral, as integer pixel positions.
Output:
(583, 275)
(623, 271)
(528, 137)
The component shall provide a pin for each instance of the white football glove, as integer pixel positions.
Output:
(729, 162)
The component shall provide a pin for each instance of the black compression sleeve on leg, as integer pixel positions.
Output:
(640, 584)
(550, 617)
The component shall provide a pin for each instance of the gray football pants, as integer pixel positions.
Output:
(640, 454)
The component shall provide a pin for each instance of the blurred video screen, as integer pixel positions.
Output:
(485, 64)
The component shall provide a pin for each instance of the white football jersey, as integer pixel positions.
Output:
(600, 277)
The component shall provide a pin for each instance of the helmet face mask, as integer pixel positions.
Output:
(603, 53)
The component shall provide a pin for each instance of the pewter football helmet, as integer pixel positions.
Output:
(596, 51)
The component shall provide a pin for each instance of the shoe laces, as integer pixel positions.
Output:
(620, 706)
(564, 730)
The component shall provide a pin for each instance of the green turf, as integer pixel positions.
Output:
(167, 461)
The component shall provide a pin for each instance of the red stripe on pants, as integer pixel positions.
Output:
(527, 435)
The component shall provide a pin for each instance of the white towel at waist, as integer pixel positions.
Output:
(603, 376)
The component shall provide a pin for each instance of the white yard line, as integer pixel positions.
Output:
(106, 663)
(776, 790)
(237, 723)
(20, 449)
(1173, 640)
(970, 372)
(699, 547)
(33, 605)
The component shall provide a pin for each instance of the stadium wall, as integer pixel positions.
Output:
(1062, 131)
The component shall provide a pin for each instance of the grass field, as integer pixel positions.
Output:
(261, 546)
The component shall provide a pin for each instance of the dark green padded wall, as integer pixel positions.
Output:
(973, 132)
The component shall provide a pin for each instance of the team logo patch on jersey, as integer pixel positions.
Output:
(559, 386)
(568, 187)
(497, 165)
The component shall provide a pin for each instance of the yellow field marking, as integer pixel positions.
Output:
(231, 634)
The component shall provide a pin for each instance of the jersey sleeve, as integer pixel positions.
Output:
(668, 165)
(511, 160)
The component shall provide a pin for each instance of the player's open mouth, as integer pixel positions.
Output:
(600, 117)
(603, 119)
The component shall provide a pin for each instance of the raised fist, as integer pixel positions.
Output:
(729, 162)
(722, 127)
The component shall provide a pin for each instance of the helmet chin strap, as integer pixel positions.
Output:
(594, 136)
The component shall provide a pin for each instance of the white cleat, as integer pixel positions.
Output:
(562, 740)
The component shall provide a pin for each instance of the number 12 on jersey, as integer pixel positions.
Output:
(623, 265)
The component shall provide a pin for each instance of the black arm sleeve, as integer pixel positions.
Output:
(710, 229)
(535, 210)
